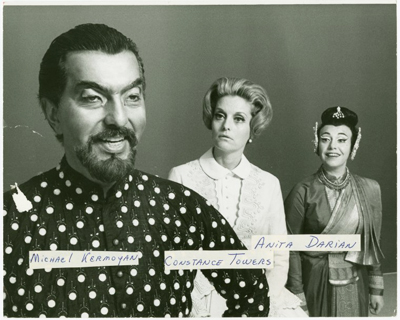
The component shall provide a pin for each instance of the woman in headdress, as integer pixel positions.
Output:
(335, 201)
(236, 111)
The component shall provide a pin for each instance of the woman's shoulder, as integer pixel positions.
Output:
(305, 183)
(367, 182)
(186, 166)
(265, 175)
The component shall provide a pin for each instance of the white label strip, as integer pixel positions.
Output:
(218, 259)
(307, 242)
(81, 259)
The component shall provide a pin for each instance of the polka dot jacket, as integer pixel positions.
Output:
(142, 213)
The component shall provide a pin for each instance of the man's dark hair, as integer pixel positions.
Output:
(84, 37)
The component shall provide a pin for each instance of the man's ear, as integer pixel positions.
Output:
(51, 113)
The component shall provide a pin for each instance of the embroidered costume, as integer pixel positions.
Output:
(251, 201)
(336, 284)
(141, 213)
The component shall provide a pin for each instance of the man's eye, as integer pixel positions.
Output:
(92, 99)
(134, 97)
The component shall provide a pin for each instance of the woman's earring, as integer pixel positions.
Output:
(356, 145)
(250, 140)
(315, 141)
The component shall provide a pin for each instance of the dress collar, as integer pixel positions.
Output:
(215, 171)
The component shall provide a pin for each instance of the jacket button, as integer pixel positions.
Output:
(116, 242)
(120, 274)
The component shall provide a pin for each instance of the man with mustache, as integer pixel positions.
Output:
(91, 89)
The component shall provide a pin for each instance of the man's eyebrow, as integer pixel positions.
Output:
(94, 85)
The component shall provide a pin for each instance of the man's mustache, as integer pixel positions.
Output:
(110, 133)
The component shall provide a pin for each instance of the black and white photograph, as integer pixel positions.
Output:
(134, 130)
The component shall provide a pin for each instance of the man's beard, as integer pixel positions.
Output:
(113, 168)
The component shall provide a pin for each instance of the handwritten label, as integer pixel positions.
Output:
(218, 259)
(308, 242)
(81, 259)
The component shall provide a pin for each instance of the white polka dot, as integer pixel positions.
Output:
(166, 207)
(157, 190)
(236, 296)
(135, 222)
(163, 286)
(171, 196)
(62, 228)
(145, 178)
(69, 206)
(111, 290)
(223, 291)
(183, 299)
(232, 241)
(53, 247)
(152, 221)
(38, 288)
(92, 294)
(72, 296)
(147, 287)
(202, 236)
(42, 315)
(152, 202)
(176, 285)
(47, 269)
(180, 272)
(178, 223)
(152, 272)
(180, 315)
(140, 187)
(172, 301)
(84, 315)
(20, 261)
(140, 307)
(222, 238)
(242, 284)
(129, 290)
(28, 239)
(94, 197)
(136, 203)
(57, 192)
(214, 274)
(15, 226)
(43, 184)
(227, 280)
(133, 272)
(164, 238)
(261, 286)
(212, 244)
(15, 308)
(80, 224)
(37, 198)
(67, 183)
(89, 210)
(182, 210)
(148, 238)
(167, 315)
(102, 277)
(130, 239)
(177, 239)
(73, 241)
(251, 300)
(50, 210)
(42, 231)
(34, 217)
(192, 229)
(21, 291)
(237, 307)
(126, 186)
(9, 250)
(187, 193)
(4, 213)
(119, 224)
(130, 178)
(60, 282)
(101, 227)
(156, 302)
(78, 190)
(124, 209)
(29, 271)
(104, 310)
(118, 194)
(29, 306)
(261, 307)
(95, 243)
(198, 210)
(188, 284)
(214, 224)
(190, 242)
(81, 278)
(61, 175)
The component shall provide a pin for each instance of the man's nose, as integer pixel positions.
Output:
(116, 113)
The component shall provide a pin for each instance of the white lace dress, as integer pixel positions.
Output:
(251, 201)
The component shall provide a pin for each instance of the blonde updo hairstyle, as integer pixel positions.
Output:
(249, 91)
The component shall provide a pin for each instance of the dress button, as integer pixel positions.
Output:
(116, 242)
(123, 305)
(120, 274)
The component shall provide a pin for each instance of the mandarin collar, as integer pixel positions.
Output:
(77, 180)
(215, 171)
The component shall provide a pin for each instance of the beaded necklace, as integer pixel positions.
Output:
(338, 183)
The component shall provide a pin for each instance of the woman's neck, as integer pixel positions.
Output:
(227, 160)
(336, 173)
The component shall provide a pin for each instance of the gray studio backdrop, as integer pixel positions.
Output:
(308, 57)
